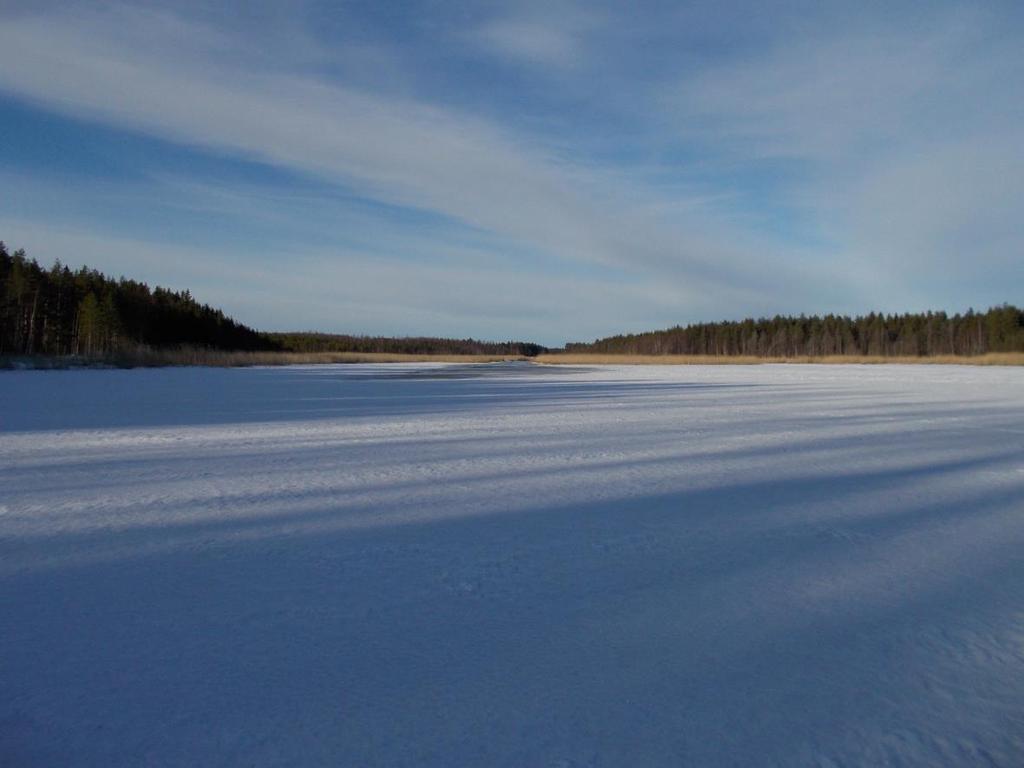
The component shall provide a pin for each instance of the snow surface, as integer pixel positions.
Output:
(510, 565)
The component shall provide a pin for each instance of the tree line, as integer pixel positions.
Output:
(58, 312)
(413, 345)
(1000, 329)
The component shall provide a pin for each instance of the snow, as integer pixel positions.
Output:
(512, 565)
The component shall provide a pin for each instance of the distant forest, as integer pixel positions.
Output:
(1000, 329)
(58, 311)
(418, 345)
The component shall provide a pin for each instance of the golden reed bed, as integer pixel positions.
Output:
(993, 358)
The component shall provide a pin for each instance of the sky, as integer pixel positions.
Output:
(550, 171)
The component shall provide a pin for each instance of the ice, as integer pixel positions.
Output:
(512, 565)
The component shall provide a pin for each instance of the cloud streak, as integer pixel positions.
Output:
(905, 146)
(786, 176)
(399, 151)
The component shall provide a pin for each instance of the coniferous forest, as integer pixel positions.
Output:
(58, 311)
(312, 342)
(1000, 329)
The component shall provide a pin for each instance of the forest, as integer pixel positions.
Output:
(60, 312)
(1000, 329)
(312, 342)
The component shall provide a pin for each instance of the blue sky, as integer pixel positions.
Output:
(546, 171)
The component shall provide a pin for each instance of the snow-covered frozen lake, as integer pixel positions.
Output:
(510, 565)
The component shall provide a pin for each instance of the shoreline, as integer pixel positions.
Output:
(231, 359)
(240, 359)
(991, 358)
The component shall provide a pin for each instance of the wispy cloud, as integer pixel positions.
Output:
(540, 42)
(399, 151)
(833, 97)
(904, 145)
(780, 176)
